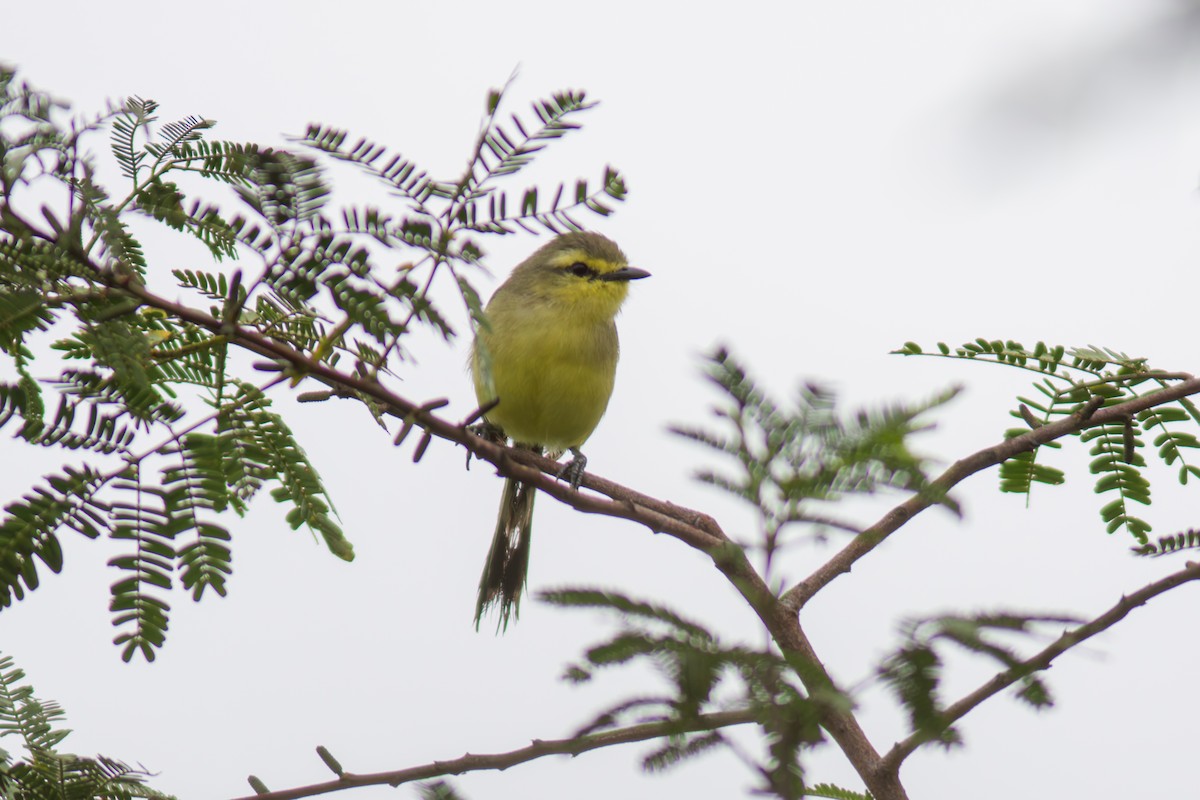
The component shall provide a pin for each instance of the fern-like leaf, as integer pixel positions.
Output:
(227, 162)
(21, 714)
(22, 311)
(1019, 473)
(47, 774)
(499, 152)
(284, 188)
(789, 459)
(555, 216)
(401, 175)
(102, 432)
(138, 114)
(676, 751)
(914, 671)
(285, 461)
(831, 792)
(1121, 476)
(1173, 445)
(28, 532)
(137, 599)
(190, 489)
(1184, 540)
(598, 598)
(164, 202)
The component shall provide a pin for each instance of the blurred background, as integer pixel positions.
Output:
(812, 184)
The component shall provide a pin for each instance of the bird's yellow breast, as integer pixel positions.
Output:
(551, 365)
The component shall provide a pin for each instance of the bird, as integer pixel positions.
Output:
(545, 355)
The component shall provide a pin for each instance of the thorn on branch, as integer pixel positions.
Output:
(1089, 408)
(331, 762)
(410, 422)
(232, 310)
(315, 397)
(402, 434)
(478, 413)
(421, 445)
(1033, 422)
(433, 405)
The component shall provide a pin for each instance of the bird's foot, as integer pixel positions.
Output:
(485, 430)
(573, 470)
(488, 431)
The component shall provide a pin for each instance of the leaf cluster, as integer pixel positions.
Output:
(45, 773)
(174, 431)
(1183, 540)
(914, 671)
(1073, 380)
(703, 675)
(791, 462)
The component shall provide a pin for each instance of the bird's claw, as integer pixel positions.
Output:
(484, 430)
(573, 470)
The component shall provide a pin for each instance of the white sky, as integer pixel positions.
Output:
(813, 185)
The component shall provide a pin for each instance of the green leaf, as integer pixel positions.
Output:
(828, 790)
(284, 461)
(28, 532)
(790, 459)
(46, 773)
(138, 115)
(598, 598)
(137, 599)
(22, 311)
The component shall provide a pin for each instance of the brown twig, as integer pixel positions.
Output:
(1042, 660)
(692, 527)
(540, 748)
(869, 539)
(698, 530)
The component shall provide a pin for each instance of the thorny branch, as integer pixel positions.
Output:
(540, 748)
(780, 614)
(872, 537)
(1043, 659)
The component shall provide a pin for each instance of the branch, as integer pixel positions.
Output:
(1042, 660)
(698, 530)
(692, 527)
(869, 539)
(538, 749)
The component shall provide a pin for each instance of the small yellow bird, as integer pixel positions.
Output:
(548, 354)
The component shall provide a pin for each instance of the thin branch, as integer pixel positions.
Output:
(869, 539)
(698, 530)
(540, 748)
(1042, 660)
(692, 527)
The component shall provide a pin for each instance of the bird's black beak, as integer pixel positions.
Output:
(624, 274)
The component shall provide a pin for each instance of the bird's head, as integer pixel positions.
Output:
(585, 271)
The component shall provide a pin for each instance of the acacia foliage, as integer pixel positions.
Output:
(167, 428)
(1074, 380)
(46, 773)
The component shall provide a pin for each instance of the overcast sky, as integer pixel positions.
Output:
(812, 184)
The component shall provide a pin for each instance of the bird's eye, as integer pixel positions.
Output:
(581, 270)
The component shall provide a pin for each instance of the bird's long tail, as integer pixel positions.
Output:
(507, 563)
